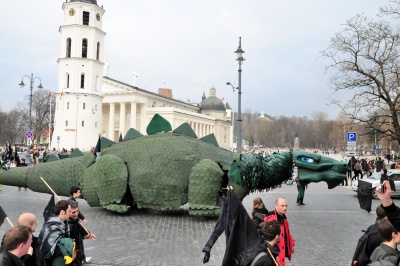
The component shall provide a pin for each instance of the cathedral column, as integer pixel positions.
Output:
(122, 117)
(111, 122)
(133, 115)
(143, 119)
(201, 130)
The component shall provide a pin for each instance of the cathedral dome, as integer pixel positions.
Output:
(212, 103)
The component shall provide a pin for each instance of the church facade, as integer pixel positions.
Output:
(89, 103)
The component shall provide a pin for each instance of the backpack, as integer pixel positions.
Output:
(360, 255)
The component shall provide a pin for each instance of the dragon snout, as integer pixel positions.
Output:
(339, 168)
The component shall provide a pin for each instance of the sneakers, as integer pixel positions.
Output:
(302, 203)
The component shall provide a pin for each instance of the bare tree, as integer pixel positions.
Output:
(365, 59)
(40, 114)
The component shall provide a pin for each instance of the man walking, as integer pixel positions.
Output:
(271, 232)
(55, 229)
(286, 243)
(78, 233)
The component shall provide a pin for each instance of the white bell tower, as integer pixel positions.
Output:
(78, 114)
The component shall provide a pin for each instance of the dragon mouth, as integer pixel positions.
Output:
(317, 168)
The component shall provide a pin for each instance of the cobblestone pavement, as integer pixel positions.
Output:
(326, 229)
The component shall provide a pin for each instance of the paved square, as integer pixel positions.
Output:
(326, 229)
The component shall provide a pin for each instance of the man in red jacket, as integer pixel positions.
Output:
(286, 244)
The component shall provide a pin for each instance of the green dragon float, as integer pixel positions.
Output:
(169, 168)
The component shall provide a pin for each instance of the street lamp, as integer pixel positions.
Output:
(239, 52)
(233, 115)
(22, 85)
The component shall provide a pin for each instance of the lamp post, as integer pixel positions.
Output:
(22, 85)
(233, 114)
(239, 52)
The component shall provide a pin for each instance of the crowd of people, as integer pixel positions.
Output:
(60, 241)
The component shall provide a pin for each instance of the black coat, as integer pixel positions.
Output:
(77, 233)
(393, 215)
(267, 260)
(28, 259)
(8, 259)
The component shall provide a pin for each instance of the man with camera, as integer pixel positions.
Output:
(392, 211)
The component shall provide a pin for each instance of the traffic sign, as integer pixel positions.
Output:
(351, 146)
(29, 141)
(58, 137)
(29, 134)
(351, 136)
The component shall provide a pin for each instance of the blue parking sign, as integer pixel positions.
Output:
(351, 136)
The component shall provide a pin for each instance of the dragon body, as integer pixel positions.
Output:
(167, 169)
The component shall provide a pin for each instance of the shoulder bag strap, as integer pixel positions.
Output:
(262, 254)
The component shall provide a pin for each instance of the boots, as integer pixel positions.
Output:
(300, 202)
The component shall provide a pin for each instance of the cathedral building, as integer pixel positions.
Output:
(89, 103)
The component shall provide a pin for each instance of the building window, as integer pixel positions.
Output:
(95, 107)
(84, 48)
(82, 81)
(95, 124)
(67, 81)
(66, 123)
(86, 16)
(98, 51)
(84, 106)
(83, 123)
(68, 52)
(67, 105)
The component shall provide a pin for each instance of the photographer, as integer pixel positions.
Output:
(392, 211)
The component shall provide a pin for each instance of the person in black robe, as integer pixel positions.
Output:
(78, 233)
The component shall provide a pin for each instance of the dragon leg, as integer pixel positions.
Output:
(204, 184)
(106, 184)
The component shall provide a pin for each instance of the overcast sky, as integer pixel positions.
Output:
(188, 46)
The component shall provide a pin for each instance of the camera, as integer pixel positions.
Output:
(383, 188)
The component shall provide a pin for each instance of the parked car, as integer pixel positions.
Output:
(375, 180)
(350, 153)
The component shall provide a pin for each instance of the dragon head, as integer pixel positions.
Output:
(316, 168)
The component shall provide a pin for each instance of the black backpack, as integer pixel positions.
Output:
(360, 255)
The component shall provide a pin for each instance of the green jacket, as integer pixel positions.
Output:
(385, 252)
(66, 246)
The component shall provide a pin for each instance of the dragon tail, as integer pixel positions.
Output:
(14, 177)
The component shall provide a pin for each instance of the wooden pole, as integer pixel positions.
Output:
(276, 263)
(8, 220)
(60, 199)
(50, 188)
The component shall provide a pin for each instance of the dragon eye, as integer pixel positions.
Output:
(306, 160)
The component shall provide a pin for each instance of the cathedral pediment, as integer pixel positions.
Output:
(112, 86)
